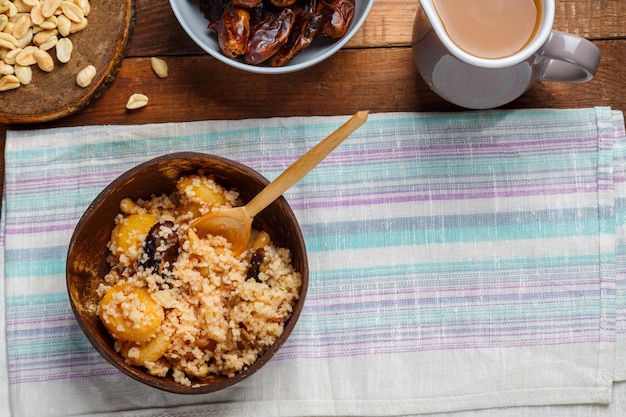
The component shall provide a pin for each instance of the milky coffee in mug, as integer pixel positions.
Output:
(490, 28)
(483, 54)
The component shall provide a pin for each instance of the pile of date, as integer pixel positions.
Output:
(274, 31)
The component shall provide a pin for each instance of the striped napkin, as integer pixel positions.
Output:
(467, 264)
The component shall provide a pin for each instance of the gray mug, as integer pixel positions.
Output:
(481, 83)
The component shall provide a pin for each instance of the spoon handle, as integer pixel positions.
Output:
(296, 171)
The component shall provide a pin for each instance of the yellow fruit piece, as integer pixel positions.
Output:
(261, 240)
(198, 190)
(130, 233)
(151, 351)
(129, 313)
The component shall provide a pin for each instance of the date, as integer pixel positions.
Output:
(233, 32)
(269, 37)
(274, 31)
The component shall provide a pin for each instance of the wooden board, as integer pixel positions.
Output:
(54, 95)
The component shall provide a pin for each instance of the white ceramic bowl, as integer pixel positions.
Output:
(193, 22)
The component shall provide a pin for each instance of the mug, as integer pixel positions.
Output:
(480, 83)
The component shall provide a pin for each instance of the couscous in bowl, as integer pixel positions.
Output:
(96, 275)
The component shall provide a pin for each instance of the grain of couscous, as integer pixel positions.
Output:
(178, 303)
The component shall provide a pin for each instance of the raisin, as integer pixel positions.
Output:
(255, 264)
(160, 249)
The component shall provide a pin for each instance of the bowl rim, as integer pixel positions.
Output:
(260, 69)
(140, 374)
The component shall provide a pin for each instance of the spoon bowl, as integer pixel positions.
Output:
(235, 224)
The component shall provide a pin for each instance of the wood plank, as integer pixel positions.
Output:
(381, 80)
(598, 19)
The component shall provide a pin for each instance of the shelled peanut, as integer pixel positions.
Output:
(32, 32)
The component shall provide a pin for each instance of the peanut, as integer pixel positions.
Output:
(5, 6)
(6, 69)
(160, 67)
(21, 6)
(42, 37)
(6, 44)
(49, 44)
(84, 5)
(36, 14)
(29, 29)
(78, 26)
(86, 76)
(9, 26)
(64, 50)
(10, 56)
(9, 82)
(24, 74)
(72, 11)
(22, 26)
(12, 10)
(44, 60)
(64, 25)
(127, 206)
(8, 39)
(49, 7)
(27, 56)
(137, 101)
(50, 23)
(25, 40)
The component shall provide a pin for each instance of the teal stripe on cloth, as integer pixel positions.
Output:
(429, 235)
(352, 239)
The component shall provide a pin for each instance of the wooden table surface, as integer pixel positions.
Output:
(374, 71)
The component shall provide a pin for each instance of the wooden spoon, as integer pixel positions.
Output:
(235, 224)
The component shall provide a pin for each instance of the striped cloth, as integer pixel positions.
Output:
(469, 263)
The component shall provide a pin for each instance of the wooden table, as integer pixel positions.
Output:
(374, 71)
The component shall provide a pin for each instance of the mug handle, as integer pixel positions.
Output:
(568, 58)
